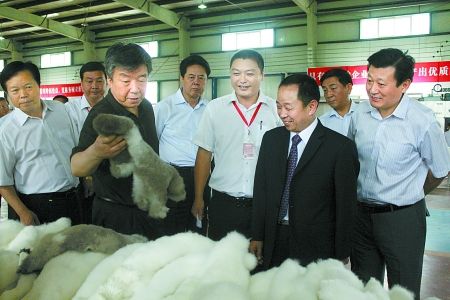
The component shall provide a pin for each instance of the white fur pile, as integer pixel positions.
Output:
(13, 238)
(180, 267)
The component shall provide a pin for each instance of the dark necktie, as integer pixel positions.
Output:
(291, 164)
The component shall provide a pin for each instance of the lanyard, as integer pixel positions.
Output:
(242, 115)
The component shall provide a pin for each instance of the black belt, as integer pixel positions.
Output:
(238, 201)
(375, 209)
(115, 202)
(69, 194)
(181, 168)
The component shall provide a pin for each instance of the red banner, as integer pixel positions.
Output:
(436, 71)
(49, 91)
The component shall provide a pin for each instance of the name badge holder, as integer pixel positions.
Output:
(248, 146)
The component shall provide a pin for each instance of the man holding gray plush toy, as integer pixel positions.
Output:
(127, 67)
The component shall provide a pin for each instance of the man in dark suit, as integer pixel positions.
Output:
(304, 194)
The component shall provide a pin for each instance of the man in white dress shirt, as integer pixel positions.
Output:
(231, 130)
(93, 85)
(403, 157)
(177, 119)
(37, 139)
(337, 85)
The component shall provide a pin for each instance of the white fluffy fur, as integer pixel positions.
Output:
(25, 238)
(103, 271)
(29, 235)
(22, 287)
(8, 266)
(49, 285)
(186, 266)
(9, 229)
(149, 259)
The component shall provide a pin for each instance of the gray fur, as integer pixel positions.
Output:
(153, 180)
(81, 238)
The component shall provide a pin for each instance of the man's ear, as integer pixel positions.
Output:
(312, 106)
(405, 85)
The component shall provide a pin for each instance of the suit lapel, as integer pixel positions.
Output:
(313, 144)
(282, 146)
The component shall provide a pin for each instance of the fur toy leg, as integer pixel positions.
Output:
(176, 190)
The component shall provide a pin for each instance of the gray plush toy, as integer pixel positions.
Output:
(80, 238)
(154, 181)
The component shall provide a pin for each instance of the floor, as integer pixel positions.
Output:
(436, 263)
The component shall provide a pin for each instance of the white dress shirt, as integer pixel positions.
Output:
(396, 152)
(333, 120)
(78, 110)
(176, 125)
(223, 132)
(35, 153)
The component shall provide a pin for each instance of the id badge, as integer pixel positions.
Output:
(249, 150)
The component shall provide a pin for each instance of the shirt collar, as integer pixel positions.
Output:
(399, 112)
(261, 98)
(85, 103)
(22, 117)
(402, 107)
(179, 99)
(333, 112)
(306, 133)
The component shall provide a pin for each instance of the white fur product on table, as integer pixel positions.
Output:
(184, 266)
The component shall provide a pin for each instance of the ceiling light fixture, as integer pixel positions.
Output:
(202, 5)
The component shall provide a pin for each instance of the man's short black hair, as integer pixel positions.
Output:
(128, 56)
(391, 57)
(194, 60)
(65, 99)
(342, 75)
(249, 54)
(91, 67)
(308, 89)
(15, 67)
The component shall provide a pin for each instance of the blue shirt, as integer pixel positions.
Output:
(396, 152)
(176, 125)
(336, 122)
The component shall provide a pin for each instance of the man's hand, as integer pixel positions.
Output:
(27, 217)
(108, 146)
(197, 208)
(256, 248)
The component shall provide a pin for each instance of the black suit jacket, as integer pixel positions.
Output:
(322, 201)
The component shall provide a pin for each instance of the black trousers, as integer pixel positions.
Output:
(126, 219)
(393, 239)
(179, 218)
(85, 203)
(49, 207)
(227, 213)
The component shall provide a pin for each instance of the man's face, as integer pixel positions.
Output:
(23, 92)
(194, 82)
(246, 78)
(128, 86)
(93, 85)
(294, 115)
(4, 109)
(381, 88)
(336, 94)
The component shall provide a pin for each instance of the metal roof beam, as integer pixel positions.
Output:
(164, 15)
(69, 31)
